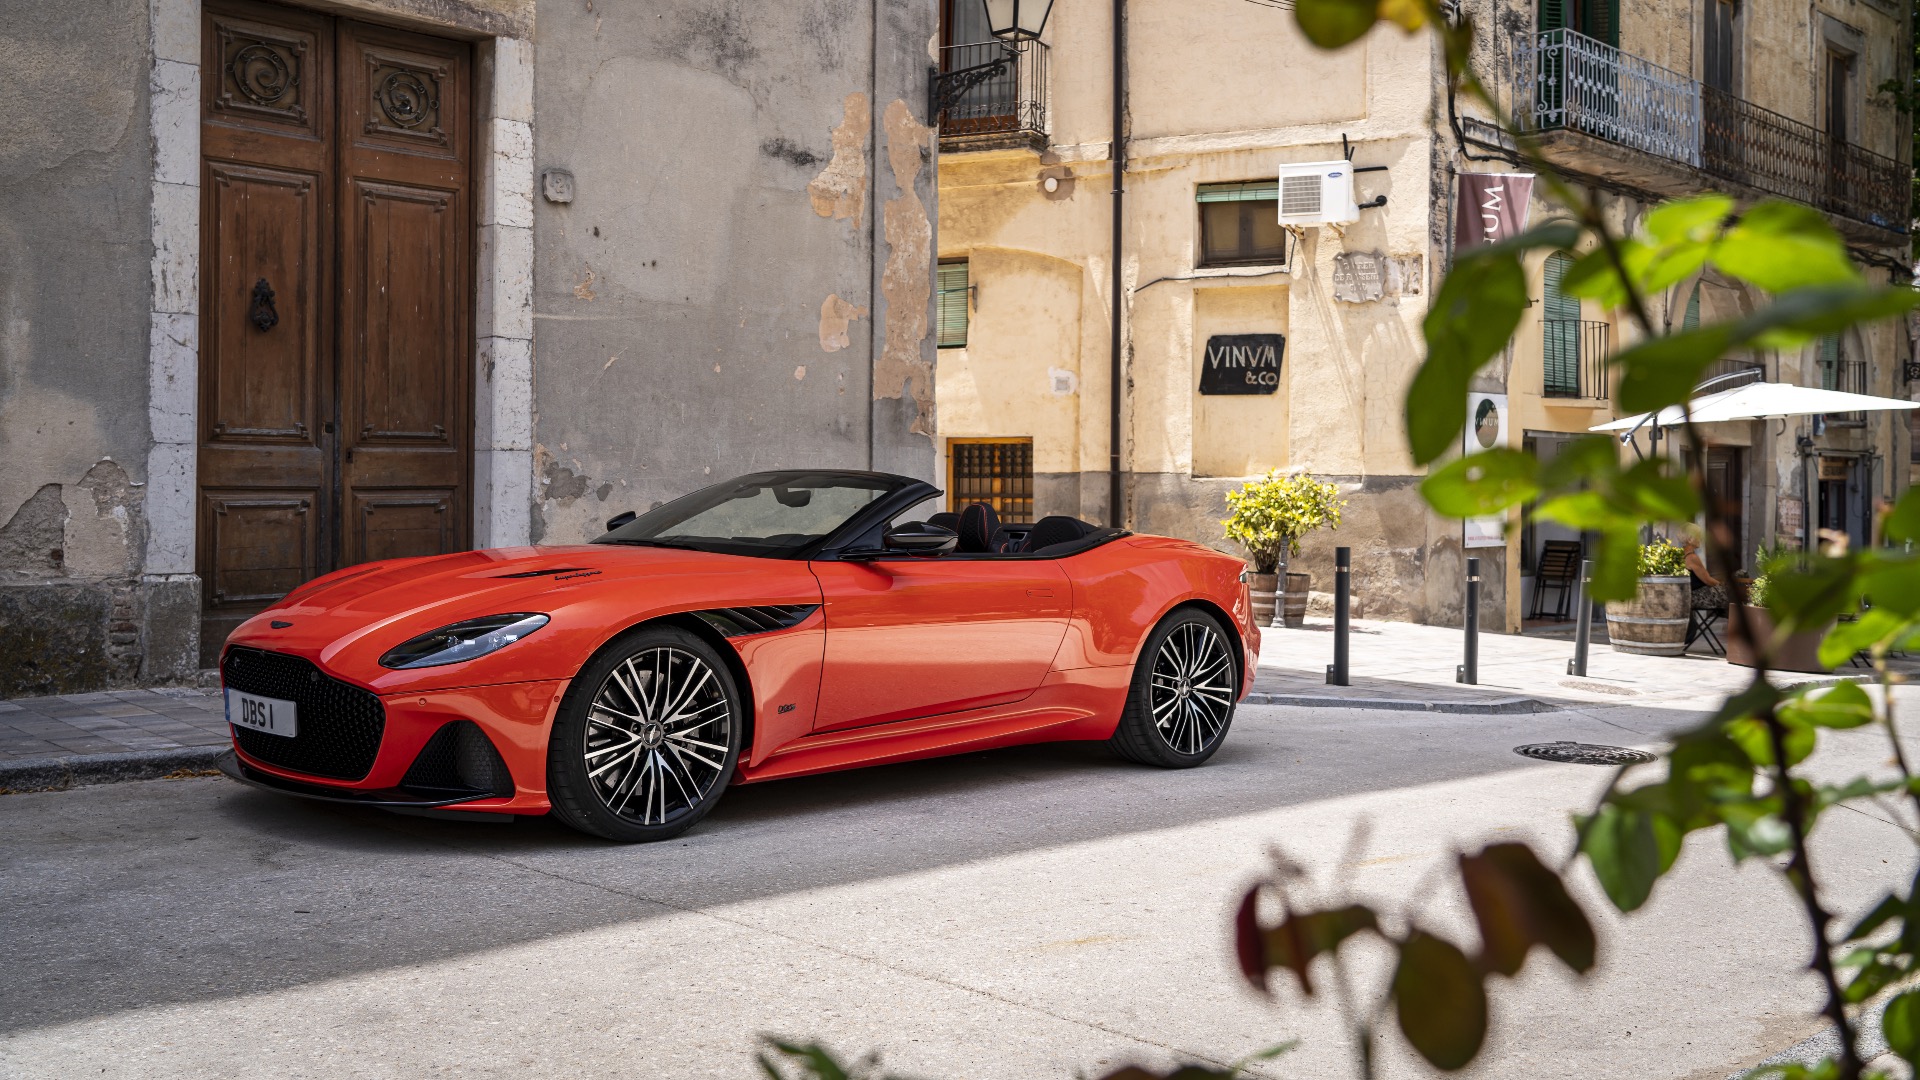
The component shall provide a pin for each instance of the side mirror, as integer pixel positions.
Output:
(618, 520)
(919, 538)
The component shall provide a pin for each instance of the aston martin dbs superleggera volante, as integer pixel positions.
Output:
(779, 624)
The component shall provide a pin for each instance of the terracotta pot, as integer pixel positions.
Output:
(1261, 588)
(1654, 622)
(1293, 610)
(1800, 652)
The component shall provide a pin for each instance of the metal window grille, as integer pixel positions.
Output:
(998, 472)
(956, 294)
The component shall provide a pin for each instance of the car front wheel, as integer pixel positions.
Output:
(1184, 688)
(646, 738)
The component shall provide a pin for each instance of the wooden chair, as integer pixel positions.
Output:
(1558, 569)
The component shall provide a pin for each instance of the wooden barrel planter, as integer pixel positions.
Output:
(1261, 587)
(1293, 607)
(1654, 622)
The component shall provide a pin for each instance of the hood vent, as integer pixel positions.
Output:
(548, 573)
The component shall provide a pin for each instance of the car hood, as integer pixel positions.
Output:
(346, 620)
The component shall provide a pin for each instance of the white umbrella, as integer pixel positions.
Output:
(1763, 400)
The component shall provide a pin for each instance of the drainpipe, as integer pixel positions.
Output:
(1116, 513)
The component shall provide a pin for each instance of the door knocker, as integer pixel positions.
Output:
(261, 312)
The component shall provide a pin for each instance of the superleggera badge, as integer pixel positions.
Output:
(575, 574)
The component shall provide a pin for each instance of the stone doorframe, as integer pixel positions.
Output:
(503, 272)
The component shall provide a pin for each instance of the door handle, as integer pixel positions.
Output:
(1040, 594)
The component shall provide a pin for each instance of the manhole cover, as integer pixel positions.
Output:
(1575, 753)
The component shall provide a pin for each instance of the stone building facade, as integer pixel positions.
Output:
(1221, 99)
(285, 287)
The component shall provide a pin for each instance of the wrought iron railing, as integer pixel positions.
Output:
(1849, 377)
(1011, 102)
(1564, 80)
(1574, 358)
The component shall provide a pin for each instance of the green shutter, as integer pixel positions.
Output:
(1691, 320)
(1553, 14)
(1830, 362)
(1560, 330)
(1251, 191)
(954, 297)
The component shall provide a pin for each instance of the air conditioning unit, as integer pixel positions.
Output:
(1317, 193)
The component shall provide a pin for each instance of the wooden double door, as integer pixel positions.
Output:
(335, 301)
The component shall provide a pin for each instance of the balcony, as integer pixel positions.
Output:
(1003, 108)
(1569, 89)
(1574, 359)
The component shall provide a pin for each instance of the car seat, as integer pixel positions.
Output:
(979, 529)
(1054, 531)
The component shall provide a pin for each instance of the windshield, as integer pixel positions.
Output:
(765, 514)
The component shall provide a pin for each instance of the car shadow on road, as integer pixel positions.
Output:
(137, 895)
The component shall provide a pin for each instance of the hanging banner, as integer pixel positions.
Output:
(1486, 429)
(1491, 207)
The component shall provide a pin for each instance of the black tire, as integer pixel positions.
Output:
(629, 728)
(1184, 689)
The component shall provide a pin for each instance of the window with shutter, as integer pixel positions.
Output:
(956, 295)
(1691, 320)
(1560, 330)
(1240, 223)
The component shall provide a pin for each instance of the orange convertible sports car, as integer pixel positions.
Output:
(780, 624)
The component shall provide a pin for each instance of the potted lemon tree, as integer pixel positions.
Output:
(1268, 517)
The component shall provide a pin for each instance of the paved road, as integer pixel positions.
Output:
(1025, 913)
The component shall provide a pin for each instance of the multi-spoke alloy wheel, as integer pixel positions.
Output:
(647, 737)
(1184, 689)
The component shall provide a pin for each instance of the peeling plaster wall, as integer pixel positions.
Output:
(76, 161)
(743, 279)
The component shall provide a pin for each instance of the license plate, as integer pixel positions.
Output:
(271, 715)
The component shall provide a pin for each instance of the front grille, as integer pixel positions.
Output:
(339, 725)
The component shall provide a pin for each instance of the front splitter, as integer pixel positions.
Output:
(387, 798)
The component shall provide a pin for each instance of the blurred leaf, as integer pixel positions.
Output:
(1295, 942)
(1583, 458)
(1651, 490)
(1860, 787)
(1663, 371)
(1331, 24)
(1901, 1025)
(1890, 907)
(1848, 639)
(1821, 1070)
(1629, 850)
(1704, 770)
(1873, 978)
(815, 1062)
(1697, 218)
(1753, 738)
(1812, 595)
(1482, 483)
(1802, 315)
(1754, 828)
(1781, 246)
(1408, 15)
(1903, 523)
(1519, 903)
(1201, 1072)
(1843, 706)
(1616, 563)
(1441, 1001)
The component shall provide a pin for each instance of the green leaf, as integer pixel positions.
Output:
(1483, 483)
(814, 1059)
(1901, 1025)
(1697, 218)
(1843, 706)
(1663, 371)
(1873, 978)
(1626, 853)
(1903, 524)
(1519, 903)
(1888, 908)
(1753, 828)
(1753, 738)
(1440, 1000)
(1331, 24)
(1812, 595)
(1800, 316)
(1780, 246)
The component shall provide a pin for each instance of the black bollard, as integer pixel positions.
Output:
(1583, 621)
(1342, 598)
(1469, 672)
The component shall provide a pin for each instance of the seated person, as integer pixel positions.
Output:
(1709, 592)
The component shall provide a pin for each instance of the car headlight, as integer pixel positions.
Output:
(463, 641)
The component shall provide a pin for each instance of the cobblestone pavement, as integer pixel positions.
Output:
(111, 722)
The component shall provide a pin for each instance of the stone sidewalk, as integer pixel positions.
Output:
(130, 734)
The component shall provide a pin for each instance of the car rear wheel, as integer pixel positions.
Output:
(1181, 701)
(646, 738)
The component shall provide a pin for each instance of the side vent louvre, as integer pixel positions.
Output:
(741, 621)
